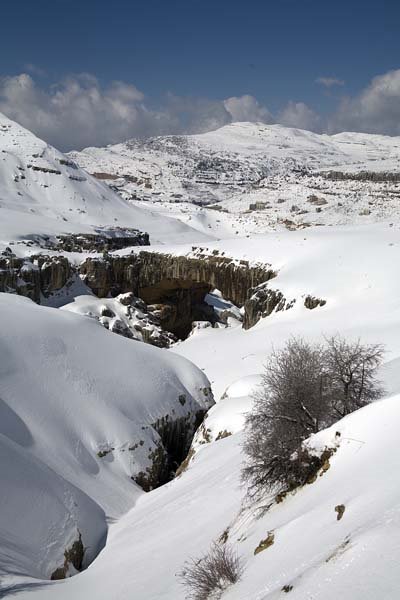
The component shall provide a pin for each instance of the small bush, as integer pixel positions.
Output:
(208, 576)
(305, 388)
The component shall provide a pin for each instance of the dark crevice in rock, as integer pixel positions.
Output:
(175, 438)
(73, 557)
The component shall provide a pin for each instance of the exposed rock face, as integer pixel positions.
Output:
(173, 287)
(108, 239)
(111, 275)
(54, 272)
(311, 302)
(150, 274)
(172, 447)
(34, 276)
(21, 276)
(265, 300)
(177, 285)
(376, 176)
(73, 559)
(262, 302)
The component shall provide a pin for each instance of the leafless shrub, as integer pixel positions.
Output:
(291, 404)
(352, 367)
(208, 576)
(305, 388)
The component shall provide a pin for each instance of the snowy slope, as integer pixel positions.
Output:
(76, 401)
(43, 192)
(314, 554)
(77, 411)
(355, 270)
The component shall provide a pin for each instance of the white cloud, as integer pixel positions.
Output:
(73, 113)
(79, 111)
(375, 110)
(329, 82)
(298, 114)
(247, 108)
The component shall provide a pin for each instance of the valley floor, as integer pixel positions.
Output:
(355, 269)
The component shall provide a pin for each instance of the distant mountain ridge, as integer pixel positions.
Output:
(236, 155)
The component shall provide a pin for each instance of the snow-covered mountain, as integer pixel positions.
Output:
(44, 193)
(255, 177)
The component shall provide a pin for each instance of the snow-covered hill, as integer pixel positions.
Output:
(255, 177)
(44, 193)
(313, 554)
(83, 413)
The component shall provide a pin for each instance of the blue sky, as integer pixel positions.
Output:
(209, 49)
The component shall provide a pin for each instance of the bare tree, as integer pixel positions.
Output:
(352, 369)
(305, 388)
(210, 575)
(291, 404)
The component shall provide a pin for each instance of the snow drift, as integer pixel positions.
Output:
(80, 414)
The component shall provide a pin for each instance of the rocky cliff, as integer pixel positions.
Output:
(173, 287)
(176, 284)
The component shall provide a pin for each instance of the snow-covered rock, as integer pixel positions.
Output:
(126, 315)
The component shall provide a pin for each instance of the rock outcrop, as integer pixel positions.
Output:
(35, 276)
(176, 285)
(262, 302)
(73, 560)
(108, 239)
(150, 274)
(175, 438)
(265, 300)
(311, 302)
(125, 315)
(172, 286)
(375, 176)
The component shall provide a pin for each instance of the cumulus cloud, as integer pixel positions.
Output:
(375, 110)
(79, 111)
(247, 108)
(75, 112)
(298, 114)
(329, 82)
